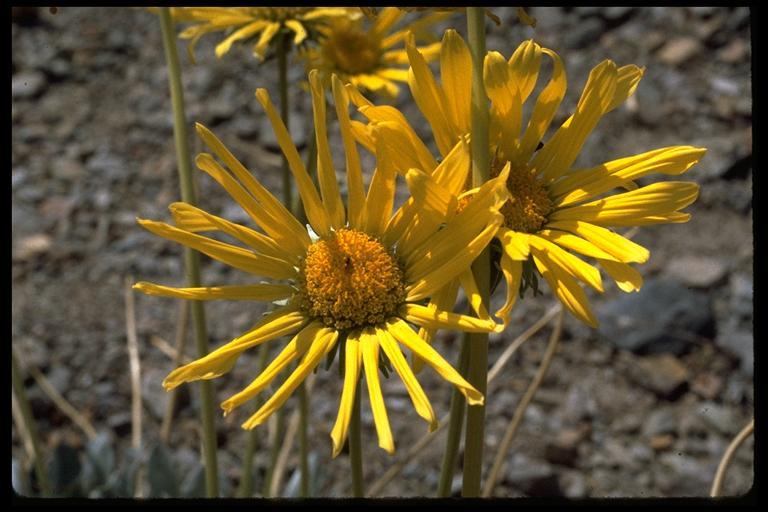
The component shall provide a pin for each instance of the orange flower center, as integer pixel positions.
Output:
(350, 280)
(529, 204)
(351, 49)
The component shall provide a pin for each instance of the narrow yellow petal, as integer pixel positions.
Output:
(568, 262)
(418, 397)
(467, 280)
(546, 106)
(557, 155)
(369, 346)
(296, 348)
(513, 272)
(622, 249)
(381, 191)
(386, 19)
(329, 187)
(351, 377)
(278, 323)
(313, 206)
(455, 68)
(514, 243)
(626, 83)
(405, 335)
(265, 292)
(355, 192)
(300, 33)
(565, 288)
(574, 243)
(324, 341)
(260, 48)
(627, 278)
(233, 256)
(524, 67)
(242, 33)
(443, 300)
(436, 319)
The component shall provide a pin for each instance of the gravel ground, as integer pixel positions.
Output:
(643, 406)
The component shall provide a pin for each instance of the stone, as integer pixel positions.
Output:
(720, 417)
(697, 271)
(533, 477)
(660, 318)
(662, 442)
(32, 246)
(663, 374)
(67, 169)
(565, 449)
(679, 50)
(583, 33)
(27, 85)
(663, 420)
(707, 385)
(574, 484)
(741, 344)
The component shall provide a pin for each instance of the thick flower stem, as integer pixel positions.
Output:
(30, 426)
(355, 447)
(458, 402)
(191, 258)
(478, 358)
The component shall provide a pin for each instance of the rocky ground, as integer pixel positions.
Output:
(643, 406)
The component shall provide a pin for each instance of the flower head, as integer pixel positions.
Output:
(361, 284)
(555, 211)
(249, 22)
(366, 55)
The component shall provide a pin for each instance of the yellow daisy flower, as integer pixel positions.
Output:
(555, 210)
(248, 22)
(366, 56)
(360, 282)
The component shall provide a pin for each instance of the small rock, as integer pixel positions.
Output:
(32, 246)
(724, 85)
(664, 374)
(697, 271)
(67, 169)
(57, 207)
(707, 385)
(742, 345)
(659, 318)
(28, 84)
(679, 50)
(683, 475)
(533, 477)
(662, 442)
(583, 33)
(574, 484)
(662, 420)
(579, 405)
(735, 51)
(719, 417)
(565, 449)
(120, 423)
(617, 13)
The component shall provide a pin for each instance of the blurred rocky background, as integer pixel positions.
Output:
(643, 406)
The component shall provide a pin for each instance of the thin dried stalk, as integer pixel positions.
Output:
(509, 435)
(717, 484)
(422, 443)
(18, 420)
(181, 341)
(67, 408)
(133, 359)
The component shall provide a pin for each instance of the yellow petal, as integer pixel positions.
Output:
(626, 83)
(351, 378)
(565, 288)
(455, 70)
(385, 20)
(369, 346)
(524, 67)
(436, 319)
(627, 278)
(296, 348)
(267, 34)
(313, 206)
(506, 104)
(355, 194)
(443, 300)
(324, 341)
(405, 335)
(242, 33)
(467, 280)
(265, 292)
(300, 33)
(381, 191)
(326, 174)
(614, 244)
(513, 271)
(567, 261)
(233, 256)
(278, 323)
(573, 242)
(418, 397)
(514, 243)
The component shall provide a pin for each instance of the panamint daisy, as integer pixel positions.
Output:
(555, 211)
(361, 284)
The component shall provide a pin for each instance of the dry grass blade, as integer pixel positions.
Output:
(67, 408)
(181, 340)
(717, 484)
(133, 359)
(18, 420)
(285, 449)
(517, 418)
(422, 443)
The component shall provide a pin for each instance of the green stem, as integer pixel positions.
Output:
(29, 425)
(303, 442)
(282, 64)
(454, 427)
(191, 258)
(274, 452)
(245, 489)
(355, 447)
(478, 359)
